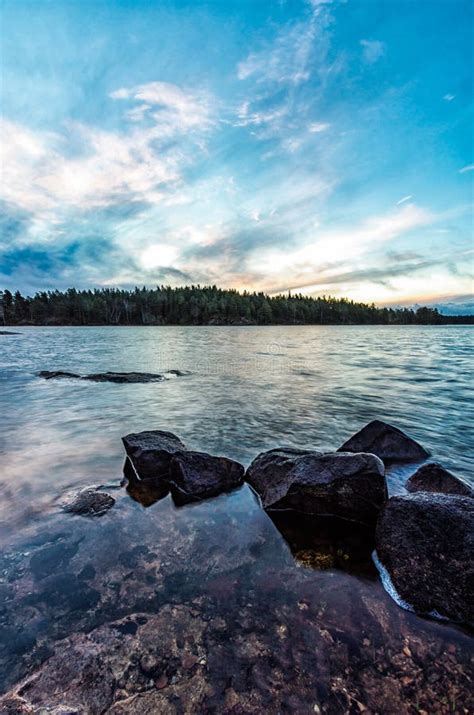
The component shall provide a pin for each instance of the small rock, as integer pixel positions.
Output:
(89, 502)
(432, 477)
(197, 475)
(151, 452)
(387, 442)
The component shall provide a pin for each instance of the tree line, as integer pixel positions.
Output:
(201, 305)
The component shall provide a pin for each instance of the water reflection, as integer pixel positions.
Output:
(327, 543)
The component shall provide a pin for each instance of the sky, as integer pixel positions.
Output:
(316, 146)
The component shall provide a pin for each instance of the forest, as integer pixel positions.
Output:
(202, 305)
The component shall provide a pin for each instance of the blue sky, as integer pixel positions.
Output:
(321, 147)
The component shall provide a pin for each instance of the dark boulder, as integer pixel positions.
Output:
(385, 441)
(349, 486)
(124, 377)
(432, 477)
(53, 374)
(8, 332)
(89, 502)
(151, 452)
(197, 475)
(145, 491)
(425, 544)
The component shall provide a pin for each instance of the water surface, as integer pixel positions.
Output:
(240, 613)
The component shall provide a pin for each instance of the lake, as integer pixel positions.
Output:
(216, 607)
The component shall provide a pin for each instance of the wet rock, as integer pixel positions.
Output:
(386, 442)
(89, 502)
(151, 452)
(54, 374)
(425, 543)
(432, 477)
(144, 491)
(52, 558)
(124, 377)
(349, 486)
(197, 475)
(8, 332)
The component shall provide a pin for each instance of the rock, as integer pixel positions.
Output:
(425, 544)
(89, 502)
(432, 477)
(197, 475)
(121, 377)
(145, 491)
(151, 452)
(53, 374)
(8, 332)
(346, 485)
(386, 442)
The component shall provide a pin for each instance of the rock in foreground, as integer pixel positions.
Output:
(89, 502)
(197, 475)
(425, 542)
(385, 441)
(349, 486)
(151, 452)
(433, 477)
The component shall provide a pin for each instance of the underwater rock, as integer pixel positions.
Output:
(346, 485)
(111, 376)
(89, 502)
(385, 441)
(124, 377)
(150, 452)
(54, 374)
(432, 477)
(197, 475)
(425, 542)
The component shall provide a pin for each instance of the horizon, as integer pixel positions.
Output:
(313, 146)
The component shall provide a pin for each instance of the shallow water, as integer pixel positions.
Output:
(277, 618)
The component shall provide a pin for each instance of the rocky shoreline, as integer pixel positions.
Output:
(202, 608)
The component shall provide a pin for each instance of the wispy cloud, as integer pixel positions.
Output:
(404, 200)
(468, 167)
(372, 50)
(449, 97)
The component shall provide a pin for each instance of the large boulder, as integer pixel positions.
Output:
(425, 547)
(385, 441)
(349, 486)
(432, 477)
(197, 475)
(151, 452)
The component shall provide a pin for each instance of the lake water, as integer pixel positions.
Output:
(234, 612)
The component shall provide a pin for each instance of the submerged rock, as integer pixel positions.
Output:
(111, 376)
(386, 442)
(150, 452)
(53, 374)
(8, 332)
(432, 477)
(121, 377)
(425, 542)
(346, 485)
(197, 475)
(89, 502)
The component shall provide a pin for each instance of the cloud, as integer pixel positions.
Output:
(468, 167)
(372, 50)
(318, 127)
(449, 97)
(404, 200)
